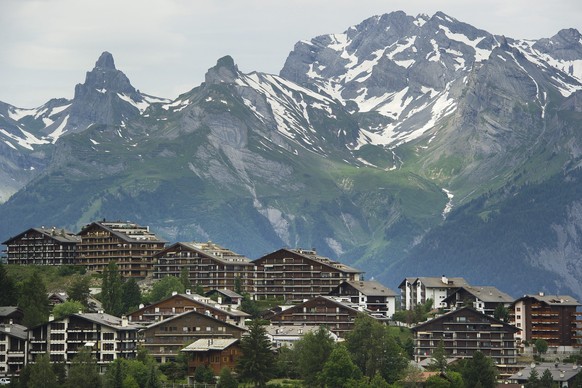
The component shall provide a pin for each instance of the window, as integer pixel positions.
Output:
(107, 336)
(108, 346)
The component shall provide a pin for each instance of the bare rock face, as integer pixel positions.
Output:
(107, 97)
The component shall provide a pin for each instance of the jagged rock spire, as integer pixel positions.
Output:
(105, 61)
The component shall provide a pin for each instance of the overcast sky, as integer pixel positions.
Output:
(165, 47)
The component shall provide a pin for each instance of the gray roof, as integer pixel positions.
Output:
(560, 371)
(204, 344)
(14, 330)
(371, 288)
(126, 231)
(226, 292)
(7, 310)
(210, 250)
(57, 234)
(192, 312)
(290, 330)
(108, 320)
(487, 294)
(434, 282)
(554, 300)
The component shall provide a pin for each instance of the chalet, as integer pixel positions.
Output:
(42, 246)
(370, 295)
(209, 265)
(548, 317)
(12, 314)
(484, 299)
(418, 290)
(107, 336)
(225, 297)
(131, 246)
(298, 274)
(214, 354)
(288, 335)
(463, 332)
(336, 314)
(165, 338)
(13, 345)
(180, 303)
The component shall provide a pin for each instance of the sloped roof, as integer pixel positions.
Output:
(57, 234)
(462, 311)
(210, 250)
(203, 344)
(225, 292)
(560, 371)
(487, 294)
(553, 300)
(14, 330)
(313, 256)
(180, 315)
(437, 282)
(126, 231)
(371, 288)
(8, 310)
(196, 298)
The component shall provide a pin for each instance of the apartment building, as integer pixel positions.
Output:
(130, 245)
(180, 303)
(13, 347)
(418, 290)
(336, 314)
(209, 265)
(298, 274)
(108, 337)
(42, 246)
(549, 317)
(370, 295)
(463, 332)
(484, 299)
(164, 339)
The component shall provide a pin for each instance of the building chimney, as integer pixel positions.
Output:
(444, 279)
(188, 292)
(51, 318)
(124, 322)
(174, 293)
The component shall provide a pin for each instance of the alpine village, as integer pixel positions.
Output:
(400, 207)
(117, 306)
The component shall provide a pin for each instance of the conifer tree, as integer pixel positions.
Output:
(111, 290)
(257, 360)
(41, 373)
(34, 301)
(9, 295)
(131, 295)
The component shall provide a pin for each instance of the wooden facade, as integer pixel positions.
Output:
(131, 246)
(166, 338)
(214, 354)
(297, 275)
(336, 315)
(484, 299)
(42, 246)
(463, 332)
(549, 317)
(209, 265)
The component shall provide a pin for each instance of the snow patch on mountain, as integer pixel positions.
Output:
(27, 141)
(480, 53)
(59, 131)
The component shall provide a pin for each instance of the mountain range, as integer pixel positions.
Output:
(404, 146)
